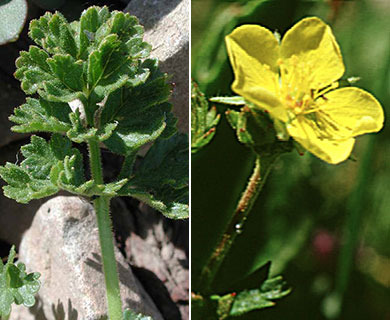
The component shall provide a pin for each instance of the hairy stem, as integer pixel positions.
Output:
(102, 208)
(256, 182)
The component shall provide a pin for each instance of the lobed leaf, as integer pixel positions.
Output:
(85, 60)
(140, 111)
(53, 33)
(166, 164)
(45, 163)
(161, 181)
(16, 286)
(41, 116)
(121, 98)
(57, 78)
(203, 120)
(79, 133)
(248, 300)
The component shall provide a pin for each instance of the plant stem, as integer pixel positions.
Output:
(102, 208)
(256, 182)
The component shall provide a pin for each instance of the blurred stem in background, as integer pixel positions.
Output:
(356, 206)
(262, 168)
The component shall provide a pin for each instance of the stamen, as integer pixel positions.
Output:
(325, 90)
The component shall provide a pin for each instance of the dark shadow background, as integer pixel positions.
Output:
(326, 228)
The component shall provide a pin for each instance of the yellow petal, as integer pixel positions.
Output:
(258, 95)
(311, 138)
(313, 43)
(353, 110)
(253, 52)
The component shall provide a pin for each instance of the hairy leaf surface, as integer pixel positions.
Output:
(45, 164)
(248, 300)
(16, 286)
(41, 116)
(203, 120)
(161, 181)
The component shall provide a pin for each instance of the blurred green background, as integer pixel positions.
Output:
(326, 228)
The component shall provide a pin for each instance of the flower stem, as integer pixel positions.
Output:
(256, 182)
(102, 209)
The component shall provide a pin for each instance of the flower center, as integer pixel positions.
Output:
(296, 87)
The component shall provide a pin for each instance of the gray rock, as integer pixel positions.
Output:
(62, 244)
(158, 245)
(166, 25)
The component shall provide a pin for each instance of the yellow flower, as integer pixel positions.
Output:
(296, 82)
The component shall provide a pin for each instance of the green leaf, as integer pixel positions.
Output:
(16, 286)
(166, 163)
(116, 48)
(161, 181)
(248, 300)
(99, 63)
(140, 111)
(90, 58)
(41, 116)
(203, 120)
(253, 128)
(79, 133)
(56, 79)
(45, 162)
(67, 70)
(13, 17)
(131, 315)
(90, 21)
(53, 33)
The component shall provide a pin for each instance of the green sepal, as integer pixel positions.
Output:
(203, 120)
(16, 286)
(253, 128)
(41, 116)
(235, 101)
(281, 130)
(161, 181)
(223, 304)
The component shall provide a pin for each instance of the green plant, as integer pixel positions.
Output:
(96, 86)
(16, 286)
(289, 98)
